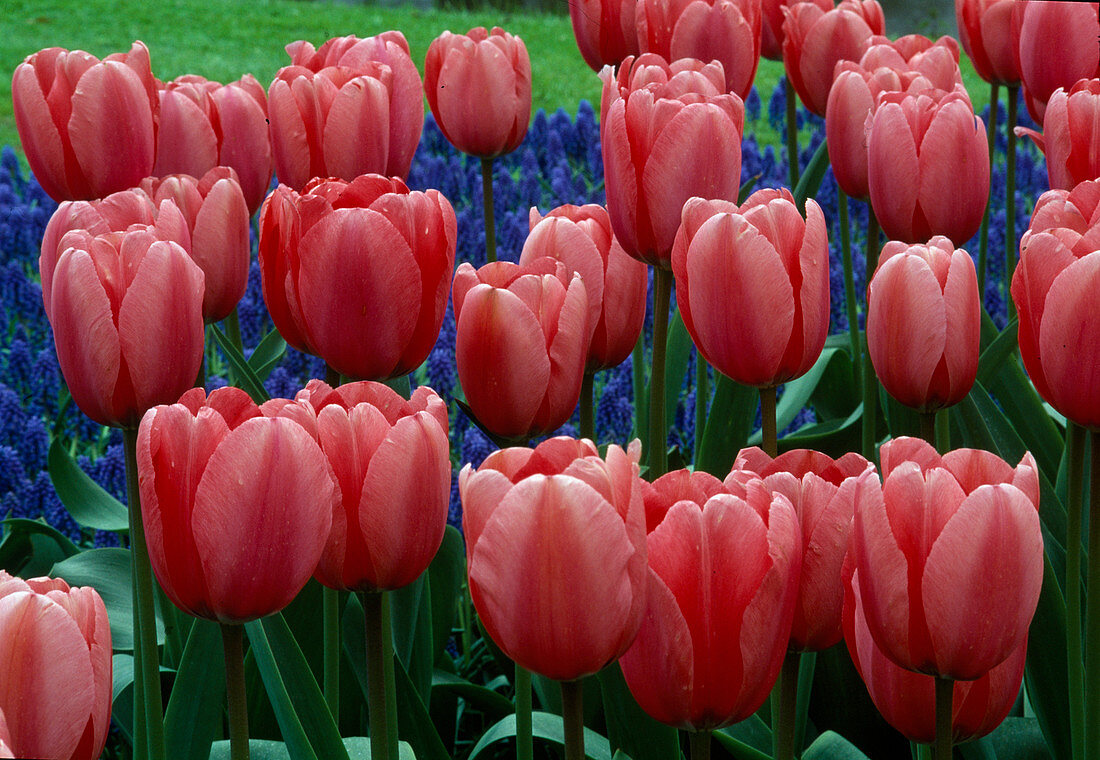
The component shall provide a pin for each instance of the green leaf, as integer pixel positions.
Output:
(447, 571)
(980, 749)
(414, 724)
(739, 749)
(833, 437)
(752, 731)
(294, 734)
(268, 353)
(546, 727)
(246, 376)
(628, 727)
(998, 351)
(358, 748)
(810, 181)
(1019, 739)
(797, 393)
(194, 715)
(108, 572)
(746, 188)
(31, 547)
(411, 615)
(122, 693)
(86, 501)
(832, 746)
(1046, 666)
(729, 422)
(492, 702)
(677, 352)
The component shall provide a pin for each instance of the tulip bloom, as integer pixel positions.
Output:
(237, 505)
(752, 283)
(1069, 139)
(1054, 288)
(556, 551)
(825, 494)
(938, 61)
(204, 124)
(950, 559)
(727, 31)
(771, 28)
(723, 580)
(55, 643)
(989, 31)
(520, 345)
(604, 30)
(358, 272)
(615, 283)
(924, 323)
(217, 220)
(683, 139)
(1069, 29)
(392, 461)
(87, 127)
(479, 89)
(927, 166)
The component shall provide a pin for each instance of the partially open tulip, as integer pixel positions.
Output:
(55, 643)
(682, 139)
(950, 559)
(479, 89)
(392, 461)
(937, 61)
(815, 39)
(989, 31)
(727, 31)
(88, 127)
(724, 564)
(1070, 140)
(771, 30)
(237, 505)
(521, 342)
(752, 283)
(825, 494)
(358, 272)
(556, 551)
(927, 166)
(615, 283)
(1054, 287)
(924, 323)
(604, 30)
(217, 219)
(1070, 29)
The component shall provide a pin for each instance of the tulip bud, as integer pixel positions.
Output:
(1068, 141)
(989, 31)
(604, 30)
(1069, 29)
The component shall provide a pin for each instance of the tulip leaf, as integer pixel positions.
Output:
(267, 354)
(88, 503)
(1019, 738)
(832, 746)
(1046, 666)
(122, 694)
(108, 572)
(746, 188)
(833, 437)
(995, 354)
(194, 715)
(810, 182)
(678, 347)
(797, 393)
(492, 702)
(358, 748)
(628, 726)
(411, 611)
(447, 571)
(729, 422)
(546, 727)
(246, 376)
(739, 749)
(979, 749)
(32, 547)
(752, 731)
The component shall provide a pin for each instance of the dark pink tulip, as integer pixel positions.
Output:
(1070, 29)
(604, 30)
(682, 139)
(771, 30)
(615, 283)
(924, 323)
(1070, 140)
(938, 61)
(723, 581)
(556, 551)
(358, 272)
(927, 166)
(88, 127)
(520, 345)
(237, 505)
(752, 283)
(950, 558)
(989, 31)
(55, 643)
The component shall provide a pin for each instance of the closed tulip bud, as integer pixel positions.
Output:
(55, 643)
(989, 31)
(358, 272)
(520, 344)
(604, 30)
(88, 127)
(752, 283)
(1068, 28)
(924, 323)
(223, 489)
(683, 139)
(392, 463)
(556, 551)
(824, 494)
(1069, 139)
(927, 166)
(615, 283)
(479, 89)
(950, 558)
(771, 30)
(724, 564)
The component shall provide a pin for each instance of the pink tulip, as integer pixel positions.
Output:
(752, 283)
(1071, 30)
(479, 89)
(771, 30)
(938, 61)
(950, 559)
(521, 342)
(581, 237)
(924, 323)
(55, 643)
(1070, 140)
(556, 551)
(604, 30)
(682, 139)
(989, 31)
(88, 128)
(358, 272)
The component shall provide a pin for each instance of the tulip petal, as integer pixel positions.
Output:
(186, 143)
(1068, 342)
(953, 160)
(893, 172)
(353, 143)
(38, 134)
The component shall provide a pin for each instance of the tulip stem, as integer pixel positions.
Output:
(792, 134)
(990, 134)
(786, 706)
(849, 285)
(588, 421)
(699, 742)
(943, 431)
(928, 427)
(572, 715)
(658, 432)
(233, 330)
(330, 606)
(233, 646)
(1010, 198)
(145, 630)
(1092, 609)
(637, 366)
(487, 206)
(702, 396)
(389, 679)
(945, 689)
(525, 742)
(1075, 481)
(376, 686)
(768, 433)
(870, 381)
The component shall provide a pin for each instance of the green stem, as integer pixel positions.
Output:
(466, 618)
(1092, 609)
(1075, 482)
(588, 420)
(849, 284)
(768, 433)
(233, 646)
(702, 396)
(920, 751)
(928, 427)
(990, 134)
(145, 620)
(572, 714)
(943, 431)
(870, 381)
(786, 707)
(658, 432)
(141, 741)
(1010, 199)
(233, 330)
(699, 742)
(525, 743)
(376, 687)
(330, 605)
(388, 677)
(792, 135)
(637, 366)
(487, 206)
(944, 692)
(200, 378)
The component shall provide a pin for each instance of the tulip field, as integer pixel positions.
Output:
(399, 405)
